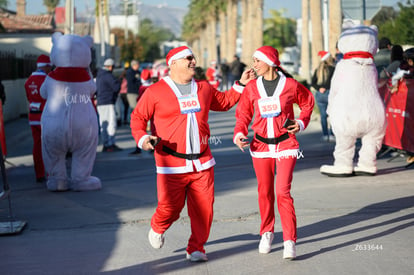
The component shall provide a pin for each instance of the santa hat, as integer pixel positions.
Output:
(178, 53)
(324, 55)
(268, 54)
(43, 60)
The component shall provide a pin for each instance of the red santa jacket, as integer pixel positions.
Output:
(288, 92)
(36, 102)
(160, 102)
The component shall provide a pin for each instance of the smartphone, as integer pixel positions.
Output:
(288, 122)
(154, 142)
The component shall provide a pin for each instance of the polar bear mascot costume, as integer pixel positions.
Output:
(355, 107)
(69, 120)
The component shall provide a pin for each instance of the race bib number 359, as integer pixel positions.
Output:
(269, 107)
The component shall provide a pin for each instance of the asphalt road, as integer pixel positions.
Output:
(356, 225)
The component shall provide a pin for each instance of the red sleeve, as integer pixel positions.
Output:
(244, 112)
(224, 101)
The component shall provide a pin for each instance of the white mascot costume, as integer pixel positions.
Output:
(355, 107)
(69, 120)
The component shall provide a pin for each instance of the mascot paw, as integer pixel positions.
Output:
(336, 171)
(91, 184)
(57, 185)
(365, 171)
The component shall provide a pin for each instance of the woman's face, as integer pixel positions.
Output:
(260, 67)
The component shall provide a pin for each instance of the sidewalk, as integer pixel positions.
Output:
(356, 225)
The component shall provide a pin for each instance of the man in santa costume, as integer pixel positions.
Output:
(36, 105)
(269, 100)
(180, 106)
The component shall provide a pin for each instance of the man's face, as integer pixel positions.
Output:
(185, 66)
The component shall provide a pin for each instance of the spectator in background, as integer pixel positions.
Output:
(383, 57)
(36, 105)
(396, 59)
(236, 69)
(133, 83)
(199, 73)
(225, 70)
(107, 89)
(321, 82)
(212, 74)
(123, 96)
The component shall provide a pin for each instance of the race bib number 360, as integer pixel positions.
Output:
(269, 107)
(189, 104)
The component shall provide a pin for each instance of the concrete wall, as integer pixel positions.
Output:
(16, 102)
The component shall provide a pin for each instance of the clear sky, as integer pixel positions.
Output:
(293, 7)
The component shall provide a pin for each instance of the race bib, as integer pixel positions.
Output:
(34, 106)
(269, 107)
(189, 104)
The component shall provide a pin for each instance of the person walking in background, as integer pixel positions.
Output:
(236, 69)
(180, 106)
(133, 83)
(321, 82)
(133, 87)
(36, 106)
(274, 149)
(107, 89)
(123, 96)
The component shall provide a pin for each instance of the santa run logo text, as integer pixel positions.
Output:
(213, 140)
(76, 98)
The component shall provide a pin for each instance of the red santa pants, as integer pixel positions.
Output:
(37, 151)
(173, 189)
(265, 173)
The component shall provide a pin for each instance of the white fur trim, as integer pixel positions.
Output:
(179, 55)
(141, 140)
(278, 155)
(236, 137)
(238, 88)
(326, 56)
(261, 56)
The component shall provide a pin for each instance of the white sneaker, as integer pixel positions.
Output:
(265, 244)
(197, 256)
(289, 251)
(156, 240)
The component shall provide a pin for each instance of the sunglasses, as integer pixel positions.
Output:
(190, 57)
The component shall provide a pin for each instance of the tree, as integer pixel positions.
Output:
(51, 5)
(3, 3)
(400, 30)
(279, 31)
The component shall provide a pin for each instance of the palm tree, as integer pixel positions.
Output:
(50, 5)
(335, 24)
(305, 60)
(317, 38)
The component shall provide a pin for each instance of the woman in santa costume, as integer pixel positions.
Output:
(179, 107)
(269, 100)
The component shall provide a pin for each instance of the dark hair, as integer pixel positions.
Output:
(384, 43)
(199, 73)
(288, 75)
(396, 53)
(409, 54)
